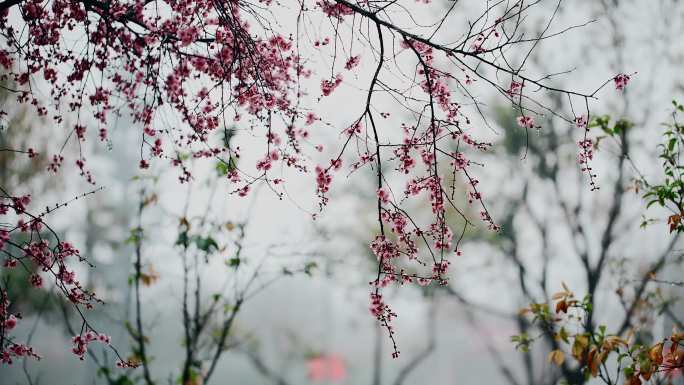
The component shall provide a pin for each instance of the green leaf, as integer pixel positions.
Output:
(310, 266)
(223, 167)
(134, 237)
(207, 244)
(183, 239)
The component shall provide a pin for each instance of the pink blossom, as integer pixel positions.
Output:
(525, 121)
(310, 118)
(621, 81)
(514, 88)
(10, 322)
(352, 62)
(328, 86)
(36, 280)
(188, 35)
(383, 196)
(334, 10)
(586, 151)
(581, 121)
(243, 191)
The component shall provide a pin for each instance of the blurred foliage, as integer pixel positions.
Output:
(635, 353)
(670, 192)
(18, 132)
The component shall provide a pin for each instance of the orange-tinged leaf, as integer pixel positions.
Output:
(593, 359)
(611, 342)
(561, 306)
(646, 375)
(656, 353)
(674, 221)
(634, 380)
(184, 222)
(676, 337)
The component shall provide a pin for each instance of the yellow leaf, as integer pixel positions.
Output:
(525, 311)
(557, 357)
(582, 340)
(149, 278)
(579, 347)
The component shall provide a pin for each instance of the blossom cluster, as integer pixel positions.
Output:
(26, 244)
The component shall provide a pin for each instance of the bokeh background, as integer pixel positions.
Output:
(307, 321)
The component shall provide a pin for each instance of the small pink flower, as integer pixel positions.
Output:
(514, 88)
(581, 121)
(243, 191)
(621, 81)
(9, 263)
(105, 339)
(264, 164)
(10, 322)
(383, 196)
(525, 121)
(36, 280)
(352, 62)
(188, 35)
(328, 86)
